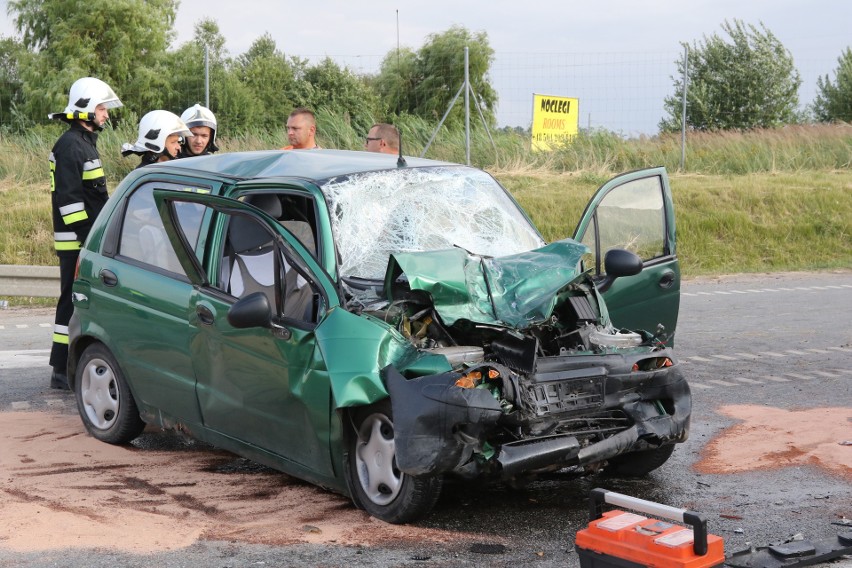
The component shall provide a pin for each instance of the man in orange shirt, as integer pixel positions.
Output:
(301, 130)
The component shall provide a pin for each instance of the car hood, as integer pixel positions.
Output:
(516, 291)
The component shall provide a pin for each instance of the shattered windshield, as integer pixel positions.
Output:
(375, 214)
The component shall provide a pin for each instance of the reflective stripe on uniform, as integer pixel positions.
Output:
(52, 160)
(92, 170)
(60, 334)
(73, 213)
(66, 241)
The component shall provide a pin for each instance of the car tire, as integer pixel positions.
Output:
(638, 464)
(104, 400)
(378, 486)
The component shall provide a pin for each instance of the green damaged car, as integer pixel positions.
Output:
(375, 326)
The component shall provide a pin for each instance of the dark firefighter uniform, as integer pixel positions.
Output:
(78, 193)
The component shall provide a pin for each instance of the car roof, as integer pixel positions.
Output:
(309, 164)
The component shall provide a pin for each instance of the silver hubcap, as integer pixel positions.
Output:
(375, 460)
(99, 392)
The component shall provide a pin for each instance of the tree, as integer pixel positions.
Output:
(747, 82)
(122, 42)
(424, 84)
(396, 81)
(10, 81)
(186, 67)
(834, 100)
(338, 89)
(271, 79)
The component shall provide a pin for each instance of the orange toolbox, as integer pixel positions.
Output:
(621, 539)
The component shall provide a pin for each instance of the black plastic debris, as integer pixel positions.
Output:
(793, 554)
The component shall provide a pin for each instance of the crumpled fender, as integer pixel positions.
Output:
(355, 348)
(427, 412)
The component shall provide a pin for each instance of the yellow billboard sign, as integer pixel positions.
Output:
(555, 121)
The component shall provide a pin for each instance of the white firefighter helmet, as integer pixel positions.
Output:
(198, 115)
(84, 97)
(154, 128)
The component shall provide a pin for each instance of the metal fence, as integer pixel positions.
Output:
(621, 92)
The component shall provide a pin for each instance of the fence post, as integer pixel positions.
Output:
(466, 105)
(683, 112)
(207, 76)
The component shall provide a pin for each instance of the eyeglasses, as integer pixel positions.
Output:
(368, 139)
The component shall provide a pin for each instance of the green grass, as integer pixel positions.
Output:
(725, 223)
(748, 202)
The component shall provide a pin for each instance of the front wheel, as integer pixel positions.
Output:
(104, 400)
(379, 487)
(638, 464)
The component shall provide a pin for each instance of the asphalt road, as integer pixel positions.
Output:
(782, 341)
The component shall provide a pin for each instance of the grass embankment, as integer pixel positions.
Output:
(760, 201)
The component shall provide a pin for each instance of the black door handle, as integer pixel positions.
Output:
(667, 279)
(205, 316)
(108, 277)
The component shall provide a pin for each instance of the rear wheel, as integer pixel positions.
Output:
(379, 487)
(104, 400)
(637, 464)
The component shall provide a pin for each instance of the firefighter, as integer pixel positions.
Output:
(160, 136)
(78, 193)
(202, 122)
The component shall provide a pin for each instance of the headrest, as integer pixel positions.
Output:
(247, 235)
(302, 231)
(268, 203)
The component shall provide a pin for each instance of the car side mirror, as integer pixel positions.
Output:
(251, 311)
(618, 263)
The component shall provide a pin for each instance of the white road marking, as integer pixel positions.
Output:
(699, 386)
(824, 374)
(725, 357)
(747, 355)
(776, 379)
(24, 359)
(22, 405)
(747, 380)
(723, 383)
(794, 352)
(799, 376)
(772, 354)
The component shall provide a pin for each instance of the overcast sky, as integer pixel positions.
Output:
(600, 34)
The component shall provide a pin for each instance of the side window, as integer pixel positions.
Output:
(143, 237)
(631, 216)
(297, 213)
(253, 262)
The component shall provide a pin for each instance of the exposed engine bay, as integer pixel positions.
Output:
(569, 390)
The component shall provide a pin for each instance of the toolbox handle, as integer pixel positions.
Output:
(696, 520)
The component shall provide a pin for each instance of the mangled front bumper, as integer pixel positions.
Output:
(438, 426)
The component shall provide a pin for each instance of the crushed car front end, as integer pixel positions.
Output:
(537, 378)
(570, 411)
(540, 379)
